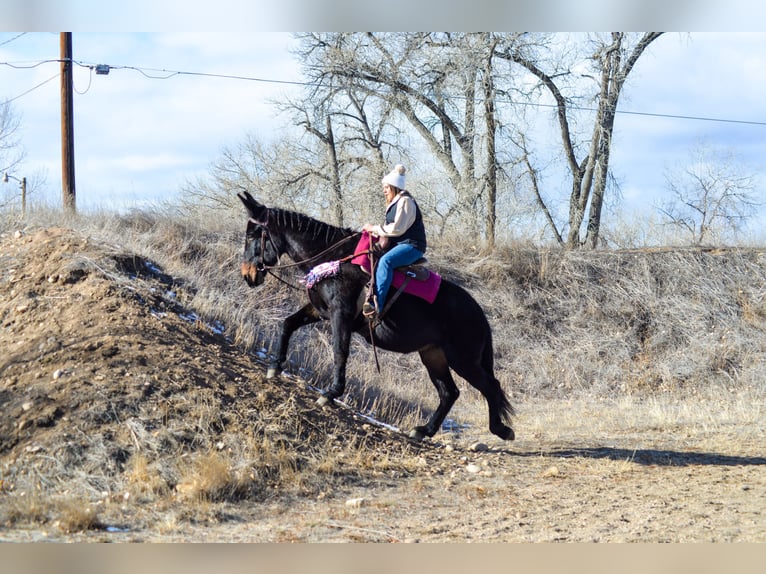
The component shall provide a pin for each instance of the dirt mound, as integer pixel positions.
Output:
(103, 367)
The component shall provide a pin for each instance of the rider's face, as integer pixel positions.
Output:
(389, 192)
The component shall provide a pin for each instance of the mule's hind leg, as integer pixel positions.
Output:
(304, 316)
(500, 408)
(438, 369)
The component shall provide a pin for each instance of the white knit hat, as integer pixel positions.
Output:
(396, 177)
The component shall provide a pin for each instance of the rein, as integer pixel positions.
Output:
(271, 268)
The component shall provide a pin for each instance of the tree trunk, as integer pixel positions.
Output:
(590, 177)
(613, 79)
(332, 157)
(491, 126)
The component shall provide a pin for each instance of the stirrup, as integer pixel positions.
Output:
(368, 310)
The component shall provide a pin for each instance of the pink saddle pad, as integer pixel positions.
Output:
(424, 289)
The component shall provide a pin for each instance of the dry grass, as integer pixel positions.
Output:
(67, 514)
(600, 323)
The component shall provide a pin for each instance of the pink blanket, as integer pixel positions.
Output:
(424, 289)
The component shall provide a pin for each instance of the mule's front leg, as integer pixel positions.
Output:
(341, 342)
(304, 316)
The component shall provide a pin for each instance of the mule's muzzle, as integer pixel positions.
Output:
(252, 274)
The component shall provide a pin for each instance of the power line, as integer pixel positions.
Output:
(28, 65)
(154, 74)
(698, 118)
(167, 74)
(151, 72)
(87, 89)
(172, 73)
(649, 114)
(16, 37)
(33, 88)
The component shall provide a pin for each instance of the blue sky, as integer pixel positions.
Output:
(711, 76)
(139, 138)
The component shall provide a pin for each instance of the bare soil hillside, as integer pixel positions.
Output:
(126, 417)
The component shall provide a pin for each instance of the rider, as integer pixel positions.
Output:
(403, 231)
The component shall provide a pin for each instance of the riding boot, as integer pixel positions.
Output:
(369, 310)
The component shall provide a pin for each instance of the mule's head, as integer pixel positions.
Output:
(260, 251)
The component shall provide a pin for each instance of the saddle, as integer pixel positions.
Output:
(417, 270)
(414, 278)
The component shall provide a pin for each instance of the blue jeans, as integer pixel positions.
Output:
(397, 256)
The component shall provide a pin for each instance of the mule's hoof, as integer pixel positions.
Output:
(416, 434)
(324, 401)
(273, 372)
(506, 433)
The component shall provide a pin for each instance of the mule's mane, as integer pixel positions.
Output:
(308, 226)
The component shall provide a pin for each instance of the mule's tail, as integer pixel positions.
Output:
(506, 408)
(488, 362)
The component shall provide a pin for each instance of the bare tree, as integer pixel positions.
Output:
(11, 153)
(521, 142)
(327, 167)
(350, 136)
(710, 195)
(612, 59)
(349, 129)
(436, 82)
(261, 167)
(490, 119)
(11, 156)
(367, 92)
(441, 83)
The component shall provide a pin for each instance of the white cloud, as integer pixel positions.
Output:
(129, 126)
(700, 75)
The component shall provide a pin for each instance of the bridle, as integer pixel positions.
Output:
(261, 267)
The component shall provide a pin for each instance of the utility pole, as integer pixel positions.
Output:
(67, 123)
(23, 182)
(23, 196)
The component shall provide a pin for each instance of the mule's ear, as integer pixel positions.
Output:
(243, 199)
(257, 211)
(247, 199)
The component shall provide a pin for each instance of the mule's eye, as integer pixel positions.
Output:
(253, 231)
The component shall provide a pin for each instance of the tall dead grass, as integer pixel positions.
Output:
(602, 322)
